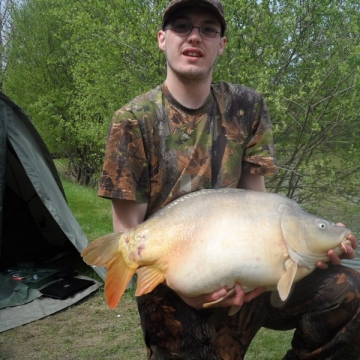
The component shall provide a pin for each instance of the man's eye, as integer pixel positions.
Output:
(208, 30)
(182, 27)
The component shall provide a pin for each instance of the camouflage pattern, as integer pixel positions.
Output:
(157, 150)
(323, 308)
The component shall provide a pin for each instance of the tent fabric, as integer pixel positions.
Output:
(40, 169)
(15, 293)
(34, 214)
(39, 308)
(3, 132)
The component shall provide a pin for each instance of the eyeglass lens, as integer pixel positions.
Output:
(186, 29)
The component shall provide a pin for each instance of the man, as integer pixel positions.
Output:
(189, 134)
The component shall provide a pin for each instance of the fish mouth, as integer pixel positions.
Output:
(342, 245)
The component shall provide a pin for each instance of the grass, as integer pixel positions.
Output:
(90, 330)
(92, 212)
(269, 345)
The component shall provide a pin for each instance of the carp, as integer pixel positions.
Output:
(210, 239)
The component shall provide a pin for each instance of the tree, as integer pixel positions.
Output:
(5, 33)
(304, 56)
(73, 63)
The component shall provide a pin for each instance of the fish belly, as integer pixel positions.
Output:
(221, 252)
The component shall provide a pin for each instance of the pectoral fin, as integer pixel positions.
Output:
(286, 281)
(275, 300)
(148, 278)
(233, 309)
(230, 292)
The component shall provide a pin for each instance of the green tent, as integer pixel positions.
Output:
(36, 224)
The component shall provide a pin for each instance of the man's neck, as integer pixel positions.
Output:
(191, 95)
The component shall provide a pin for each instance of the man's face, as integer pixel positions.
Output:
(191, 57)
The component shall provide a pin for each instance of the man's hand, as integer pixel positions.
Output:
(335, 258)
(238, 298)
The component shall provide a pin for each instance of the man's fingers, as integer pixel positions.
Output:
(354, 242)
(216, 295)
(321, 265)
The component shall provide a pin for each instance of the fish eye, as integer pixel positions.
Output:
(322, 225)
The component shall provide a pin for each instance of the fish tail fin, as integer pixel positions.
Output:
(105, 251)
(102, 250)
(117, 278)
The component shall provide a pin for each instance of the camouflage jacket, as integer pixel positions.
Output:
(158, 150)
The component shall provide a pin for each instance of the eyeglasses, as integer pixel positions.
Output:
(186, 29)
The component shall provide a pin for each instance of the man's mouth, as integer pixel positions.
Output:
(192, 53)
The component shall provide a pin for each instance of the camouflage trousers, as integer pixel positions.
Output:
(323, 309)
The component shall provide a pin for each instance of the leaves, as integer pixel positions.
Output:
(71, 64)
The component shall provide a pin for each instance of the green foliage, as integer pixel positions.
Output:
(71, 64)
(304, 57)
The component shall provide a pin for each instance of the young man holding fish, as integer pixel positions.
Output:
(189, 134)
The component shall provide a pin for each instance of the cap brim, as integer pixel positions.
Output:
(191, 3)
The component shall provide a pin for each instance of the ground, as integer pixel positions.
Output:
(87, 330)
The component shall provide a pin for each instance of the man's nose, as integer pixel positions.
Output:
(195, 32)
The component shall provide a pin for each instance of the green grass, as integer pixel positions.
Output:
(269, 345)
(92, 212)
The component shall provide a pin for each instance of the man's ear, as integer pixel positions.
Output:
(222, 44)
(161, 40)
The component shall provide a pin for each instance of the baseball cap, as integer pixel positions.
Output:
(214, 5)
